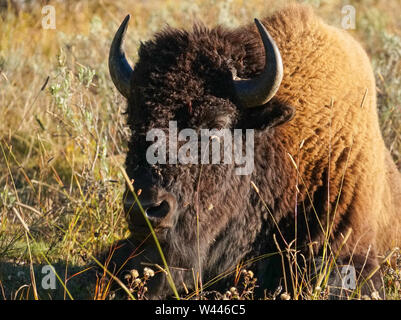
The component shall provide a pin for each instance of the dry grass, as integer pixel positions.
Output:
(63, 134)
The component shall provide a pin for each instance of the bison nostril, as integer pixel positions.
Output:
(158, 211)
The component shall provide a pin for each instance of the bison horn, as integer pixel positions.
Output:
(259, 90)
(120, 70)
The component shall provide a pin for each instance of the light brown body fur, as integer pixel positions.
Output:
(329, 80)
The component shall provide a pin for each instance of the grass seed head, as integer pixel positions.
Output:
(285, 296)
(134, 273)
(148, 273)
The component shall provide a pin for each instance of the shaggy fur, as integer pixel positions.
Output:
(324, 117)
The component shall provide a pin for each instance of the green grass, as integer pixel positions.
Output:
(63, 134)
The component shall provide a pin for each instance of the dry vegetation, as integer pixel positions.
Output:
(63, 134)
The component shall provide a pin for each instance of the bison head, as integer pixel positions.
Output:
(207, 217)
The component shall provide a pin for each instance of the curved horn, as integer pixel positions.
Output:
(257, 91)
(120, 70)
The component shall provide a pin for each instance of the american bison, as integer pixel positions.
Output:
(323, 183)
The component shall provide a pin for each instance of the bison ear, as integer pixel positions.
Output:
(268, 116)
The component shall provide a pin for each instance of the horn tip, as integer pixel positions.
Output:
(259, 25)
(124, 24)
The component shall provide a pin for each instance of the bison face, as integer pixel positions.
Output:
(200, 210)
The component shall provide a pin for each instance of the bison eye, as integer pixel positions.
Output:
(268, 116)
